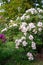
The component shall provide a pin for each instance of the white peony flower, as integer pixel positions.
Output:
(39, 29)
(24, 24)
(34, 31)
(39, 24)
(32, 10)
(33, 45)
(24, 43)
(24, 29)
(31, 37)
(31, 25)
(30, 56)
(18, 41)
(40, 10)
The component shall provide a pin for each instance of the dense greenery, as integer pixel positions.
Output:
(15, 7)
(21, 31)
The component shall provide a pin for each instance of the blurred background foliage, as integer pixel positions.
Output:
(14, 8)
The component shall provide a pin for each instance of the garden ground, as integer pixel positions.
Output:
(11, 62)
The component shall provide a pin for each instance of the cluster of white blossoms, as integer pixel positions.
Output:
(23, 27)
(22, 41)
(30, 56)
(31, 11)
(34, 11)
(25, 17)
(40, 10)
(26, 28)
(11, 24)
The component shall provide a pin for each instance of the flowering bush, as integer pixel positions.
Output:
(27, 31)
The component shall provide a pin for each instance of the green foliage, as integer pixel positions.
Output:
(15, 8)
(6, 50)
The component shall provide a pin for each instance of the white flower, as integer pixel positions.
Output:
(24, 29)
(23, 17)
(39, 29)
(27, 17)
(25, 33)
(31, 25)
(23, 38)
(5, 29)
(11, 21)
(32, 10)
(24, 43)
(28, 27)
(40, 10)
(18, 41)
(34, 31)
(27, 11)
(24, 24)
(39, 24)
(14, 25)
(8, 0)
(33, 45)
(31, 37)
(30, 56)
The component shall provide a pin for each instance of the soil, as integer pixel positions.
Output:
(39, 55)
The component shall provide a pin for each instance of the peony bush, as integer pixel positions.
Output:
(26, 32)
